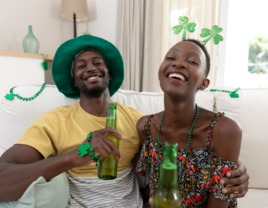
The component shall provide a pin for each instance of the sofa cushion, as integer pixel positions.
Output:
(251, 111)
(150, 103)
(17, 115)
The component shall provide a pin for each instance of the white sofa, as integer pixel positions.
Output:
(250, 110)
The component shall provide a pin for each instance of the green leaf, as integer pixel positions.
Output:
(183, 19)
(191, 27)
(216, 29)
(83, 149)
(9, 96)
(234, 95)
(217, 38)
(177, 29)
(205, 32)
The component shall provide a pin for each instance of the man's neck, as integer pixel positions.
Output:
(96, 106)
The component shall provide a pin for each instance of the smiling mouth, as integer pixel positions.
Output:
(177, 76)
(93, 77)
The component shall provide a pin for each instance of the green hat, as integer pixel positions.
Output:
(66, 53)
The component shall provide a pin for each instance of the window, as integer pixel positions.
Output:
(245, 53)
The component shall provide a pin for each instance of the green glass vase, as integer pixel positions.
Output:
(30, 43)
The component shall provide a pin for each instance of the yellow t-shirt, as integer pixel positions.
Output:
(66, 128)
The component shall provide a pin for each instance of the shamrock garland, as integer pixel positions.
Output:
(233, 94)
(11, 95)
(190, 27)
(213, 33)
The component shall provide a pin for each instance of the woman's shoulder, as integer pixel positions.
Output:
(226, 138)
(144, 124)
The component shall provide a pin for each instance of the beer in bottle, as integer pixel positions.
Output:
(167, 194)
(107, 168)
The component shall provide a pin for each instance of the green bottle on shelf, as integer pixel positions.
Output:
(167, 194)
(107, 168)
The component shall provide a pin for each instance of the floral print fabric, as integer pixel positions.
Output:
(203, 170)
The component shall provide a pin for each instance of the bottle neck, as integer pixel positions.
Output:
(168, 175)
(30, 30)
(111, 119)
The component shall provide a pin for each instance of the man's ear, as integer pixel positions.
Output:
(204, 84)
(110, 77)
(75, 85)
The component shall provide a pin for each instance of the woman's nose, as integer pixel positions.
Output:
(179, 63)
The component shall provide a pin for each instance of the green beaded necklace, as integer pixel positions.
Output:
(12, 95)
(187, 149)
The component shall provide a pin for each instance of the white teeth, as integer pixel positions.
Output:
(177, 76)
(93, 77)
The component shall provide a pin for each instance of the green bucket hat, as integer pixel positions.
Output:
(66, 53)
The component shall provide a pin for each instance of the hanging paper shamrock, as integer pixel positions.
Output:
(185, 26)
(212, 33)
(44, 63)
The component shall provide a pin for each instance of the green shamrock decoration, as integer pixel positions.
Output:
(83, 149)
(234, 93)
(212, 33)
(185, 26)
(10, 96)
(44, 63)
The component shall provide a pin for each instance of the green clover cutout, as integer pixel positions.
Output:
(44, 65)
(190, 27)
(83, 149)
(213, 33)
(10, 96)
(234, 93)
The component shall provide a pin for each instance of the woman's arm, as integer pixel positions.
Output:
(226, 143)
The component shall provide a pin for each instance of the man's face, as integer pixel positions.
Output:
(90, 73)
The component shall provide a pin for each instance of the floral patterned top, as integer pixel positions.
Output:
(203, 170)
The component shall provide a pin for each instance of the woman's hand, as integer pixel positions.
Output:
(240, 178)
(102, 147)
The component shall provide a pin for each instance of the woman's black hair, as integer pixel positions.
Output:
(197, 42)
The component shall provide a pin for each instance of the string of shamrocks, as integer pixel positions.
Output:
(205, 32)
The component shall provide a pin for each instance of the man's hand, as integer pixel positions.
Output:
(101, 145)
(239, 178)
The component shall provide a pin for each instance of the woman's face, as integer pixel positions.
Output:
(182, 72)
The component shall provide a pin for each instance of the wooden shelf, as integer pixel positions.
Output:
(25, 55)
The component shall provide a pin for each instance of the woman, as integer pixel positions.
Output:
(208, 143)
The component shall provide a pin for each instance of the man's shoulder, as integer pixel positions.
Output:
(61, 111)
(128, 109)
(132, 113)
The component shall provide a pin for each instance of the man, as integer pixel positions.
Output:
(90, 68)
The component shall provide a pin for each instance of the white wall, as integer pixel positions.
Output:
(48, 27)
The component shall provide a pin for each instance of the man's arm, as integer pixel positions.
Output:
(21, 164)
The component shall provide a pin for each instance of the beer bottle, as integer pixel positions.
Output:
(167, 193)
(107, 168)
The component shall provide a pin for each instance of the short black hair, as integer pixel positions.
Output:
(197, 42)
